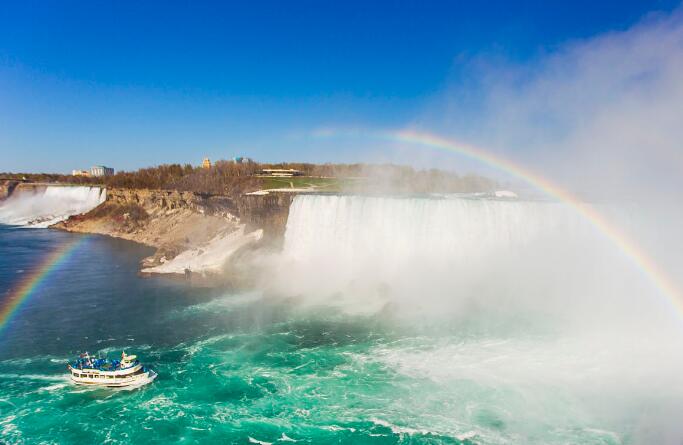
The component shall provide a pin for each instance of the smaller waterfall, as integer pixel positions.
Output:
(43, 207)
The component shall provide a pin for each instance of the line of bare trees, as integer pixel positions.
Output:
(229, 178)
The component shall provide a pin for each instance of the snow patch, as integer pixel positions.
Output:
(209, 257)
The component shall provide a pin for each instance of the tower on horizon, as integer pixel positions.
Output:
(206, 163)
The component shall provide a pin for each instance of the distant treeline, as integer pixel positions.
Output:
(229, 178)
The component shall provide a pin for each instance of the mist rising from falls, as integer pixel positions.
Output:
(42, 207)
(522, 299)
(451, 254)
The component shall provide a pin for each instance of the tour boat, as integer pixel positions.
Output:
(128, 371)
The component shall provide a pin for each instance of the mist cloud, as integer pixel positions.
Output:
(599, 114)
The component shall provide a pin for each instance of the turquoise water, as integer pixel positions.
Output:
(243, 368)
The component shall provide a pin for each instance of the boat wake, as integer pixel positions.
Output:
(43, 377)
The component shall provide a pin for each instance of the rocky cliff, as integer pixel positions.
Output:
(175, 222)
(7, 188)
(268, 212)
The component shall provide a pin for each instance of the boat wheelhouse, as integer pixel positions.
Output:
(128, 371)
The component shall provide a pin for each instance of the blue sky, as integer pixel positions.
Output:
(133, 84)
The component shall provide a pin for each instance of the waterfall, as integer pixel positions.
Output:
(44, 206)
(444, 249)
(349, 226)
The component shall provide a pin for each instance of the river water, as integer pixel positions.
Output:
(254, 367)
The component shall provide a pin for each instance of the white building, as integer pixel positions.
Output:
(281, 172)
(101, 170)
(242, 160)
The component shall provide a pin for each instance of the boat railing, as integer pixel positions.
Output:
(101, 364)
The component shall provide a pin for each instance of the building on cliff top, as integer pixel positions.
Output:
(242, 160)
(80, 173)
(281, 172)
(100, 170)
(206, 163)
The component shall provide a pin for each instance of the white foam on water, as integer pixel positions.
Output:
(48, 378)
(401, 430)
(55, 387)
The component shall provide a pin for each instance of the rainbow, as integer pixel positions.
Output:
(18, 295)
(646, 264)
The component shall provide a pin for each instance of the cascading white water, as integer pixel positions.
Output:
(46, 206)
(520, 309)
(347, 227)
(445, 252)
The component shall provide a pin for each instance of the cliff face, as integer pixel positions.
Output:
(256, 211)
(268, 212)
(8, 187)
(168, 200)
(176, 222)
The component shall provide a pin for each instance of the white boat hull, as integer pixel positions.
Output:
(116, 379)
(137, 381)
